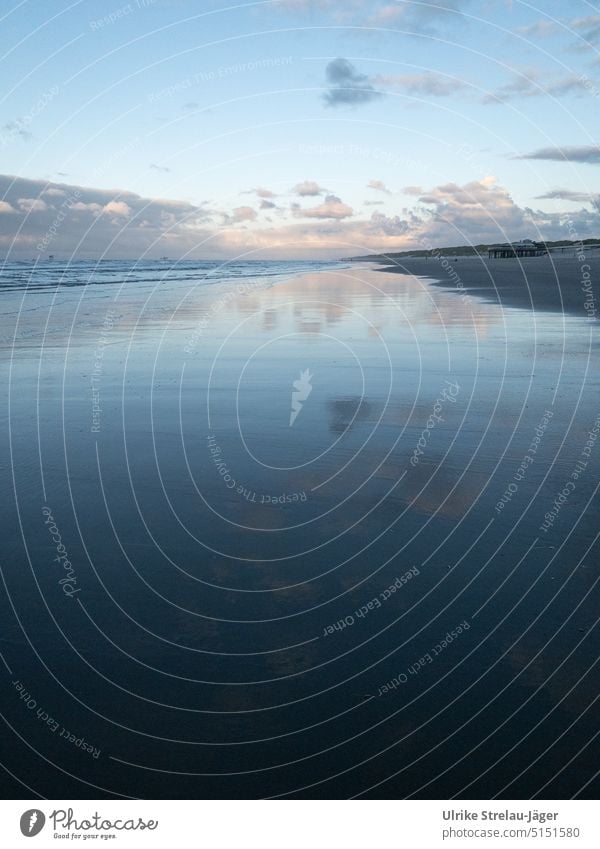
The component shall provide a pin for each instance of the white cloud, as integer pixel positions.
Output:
(117, 207)
(378, 186)
(332, 207)
(266, 194)
(32, 205)
(95, 208)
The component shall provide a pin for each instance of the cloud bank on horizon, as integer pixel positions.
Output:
(38, 218)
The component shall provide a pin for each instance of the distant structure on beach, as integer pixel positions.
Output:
(526, 247)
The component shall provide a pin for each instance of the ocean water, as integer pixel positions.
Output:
(47, 275)
(294, 530)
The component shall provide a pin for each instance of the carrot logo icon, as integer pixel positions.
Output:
(32, 822)
(302, 388)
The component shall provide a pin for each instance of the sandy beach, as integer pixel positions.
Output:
(549, 283)
(370, 600)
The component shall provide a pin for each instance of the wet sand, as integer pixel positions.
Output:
(552, 283)
(365, 603)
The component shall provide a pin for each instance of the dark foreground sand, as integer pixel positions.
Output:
(556, 284)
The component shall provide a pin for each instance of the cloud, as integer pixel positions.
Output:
(567, 194)
(340, 9)
(94, 208)
(332, 207)
(347, 87)
(308, 188)
(538, 29)
(477, 192)
(412, 190)
(412, 15)
(303, 5)
(14, 129)
(86, 222)
(450, 213)
(586, 153)
(428, 83)
(373, 203)
(390, 225)
(117, 207)
(481, 209)
(240, 214)
(425, 16)
(162, 168)
(477, 212)
(191, 104)
(267, 204)
(587, 28)
(261, 192)
(92, 221)
(378, 186)
(575, 197)
(32, 205)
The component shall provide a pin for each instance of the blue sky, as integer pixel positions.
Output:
(296, 127)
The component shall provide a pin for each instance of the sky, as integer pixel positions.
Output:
(295, 128)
